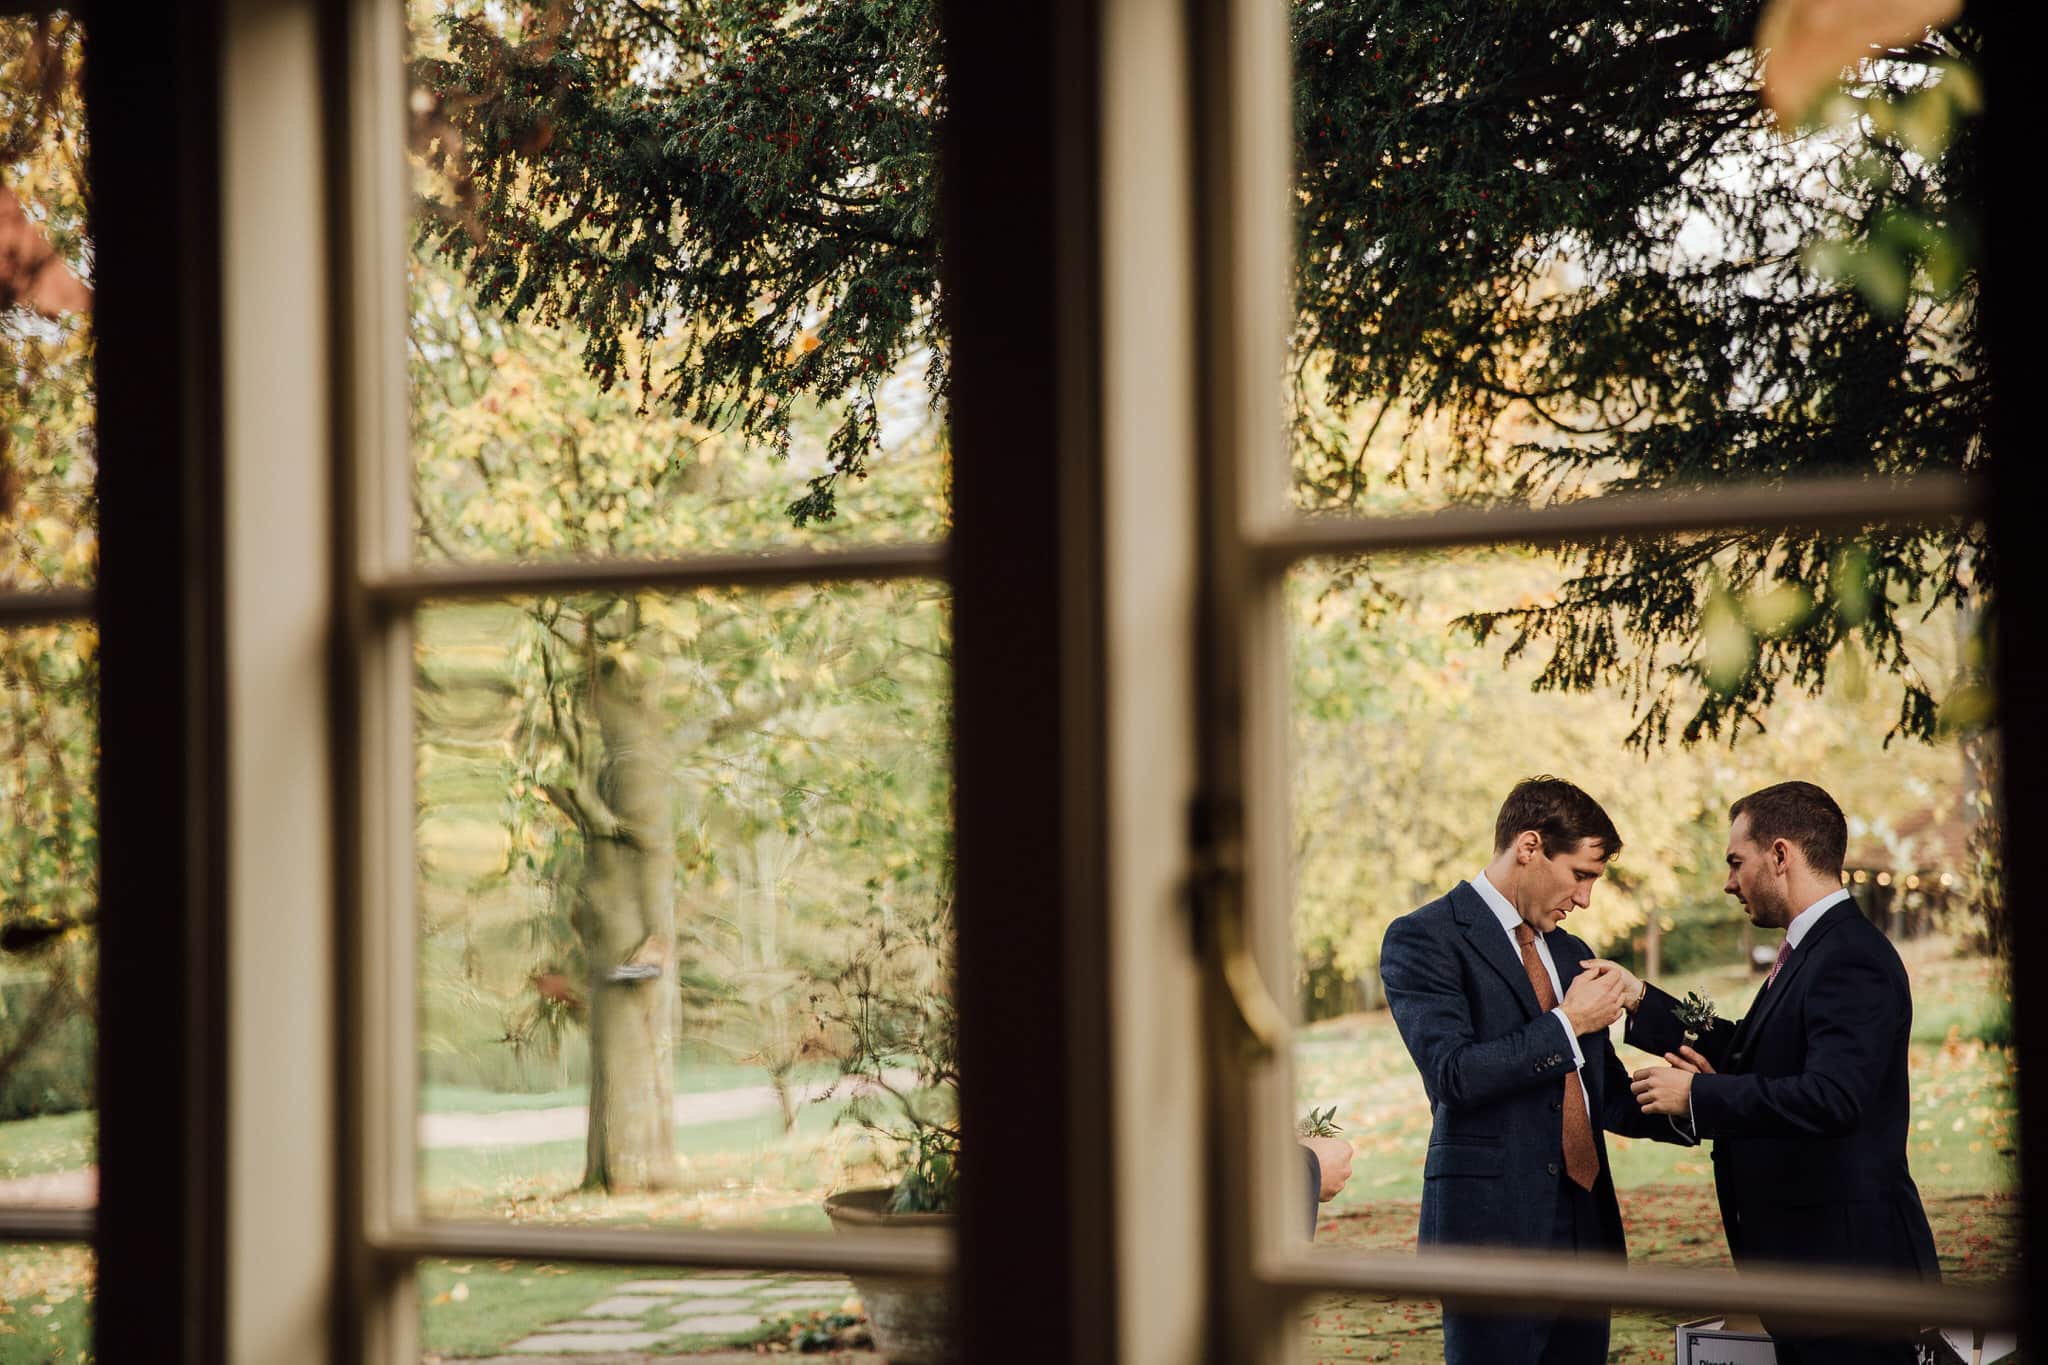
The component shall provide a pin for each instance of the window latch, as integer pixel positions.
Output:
(1219, 905)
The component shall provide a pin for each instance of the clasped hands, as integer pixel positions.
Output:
(1599, 995)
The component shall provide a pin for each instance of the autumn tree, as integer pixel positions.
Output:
(1569, 228)
(49, 741)
(665, 763)
(1576, 227)
(762, 172)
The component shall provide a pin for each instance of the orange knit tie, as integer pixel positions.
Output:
(1581, 1159)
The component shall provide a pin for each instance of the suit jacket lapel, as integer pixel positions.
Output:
(1493, 944)
(1747, 1024)
(1767, 1000)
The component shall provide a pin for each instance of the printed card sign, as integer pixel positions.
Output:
(1706, 1342)
(1960, 1346)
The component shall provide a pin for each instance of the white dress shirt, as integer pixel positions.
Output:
(1510, 922)
(1803, 922)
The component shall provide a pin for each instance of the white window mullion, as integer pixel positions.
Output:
(276, 408)
(1240, 78)
(377, 1315)
(1148, 415)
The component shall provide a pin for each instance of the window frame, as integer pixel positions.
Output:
(1022, 698)
(379, 584)
(278, 88)
(1146, 180)
(151, 104)
(1252, 539)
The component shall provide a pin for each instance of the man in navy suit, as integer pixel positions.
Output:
(1506, 1016)
(1806, 1097)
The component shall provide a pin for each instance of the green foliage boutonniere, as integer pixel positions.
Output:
(1318, 1124)
(1696, 1014)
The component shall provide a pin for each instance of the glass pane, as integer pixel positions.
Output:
(46, 1295)
(497, 1308)
(684, 905)
(674, 280)
(1412, 724)
(49, 968)
(48, 513)
(1545, 253)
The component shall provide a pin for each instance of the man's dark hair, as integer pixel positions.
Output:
(1799, 813)
(1560, 813)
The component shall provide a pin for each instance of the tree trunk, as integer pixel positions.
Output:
(627, 921)
(785, 1097)
(1653, 947)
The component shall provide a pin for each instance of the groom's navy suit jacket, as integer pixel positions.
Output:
(1494, 1064)
(1809, 1111)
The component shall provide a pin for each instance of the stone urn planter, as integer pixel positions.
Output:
(911, 1320)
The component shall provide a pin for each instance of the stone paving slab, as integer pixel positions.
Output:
(612, 1330)
(703, 1286)
(844, 1357)
(715, 1324)
(709, 1305)
(624, 1306)
(583, 1343)
(855, 1357)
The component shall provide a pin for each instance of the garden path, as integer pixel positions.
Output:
(524, 1127)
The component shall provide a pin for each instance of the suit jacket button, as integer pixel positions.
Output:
(1557, 1103)
(1552, 1168)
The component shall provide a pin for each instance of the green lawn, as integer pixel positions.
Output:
(58, 1142)
(473, 1308)
(741, 1172)
(45, 1305)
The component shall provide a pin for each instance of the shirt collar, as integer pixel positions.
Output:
(1803, 922)
(1503, 911)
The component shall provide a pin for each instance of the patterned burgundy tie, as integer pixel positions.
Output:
(1581, 1158)
(1784, 951)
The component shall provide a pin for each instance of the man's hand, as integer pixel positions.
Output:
(1685, 1059)
(1334, 1156)
(1631, 984)
(1664, 1090)
(1593, 1002)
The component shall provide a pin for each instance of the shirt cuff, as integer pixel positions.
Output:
(1687, 1127)
(1578, 1057)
